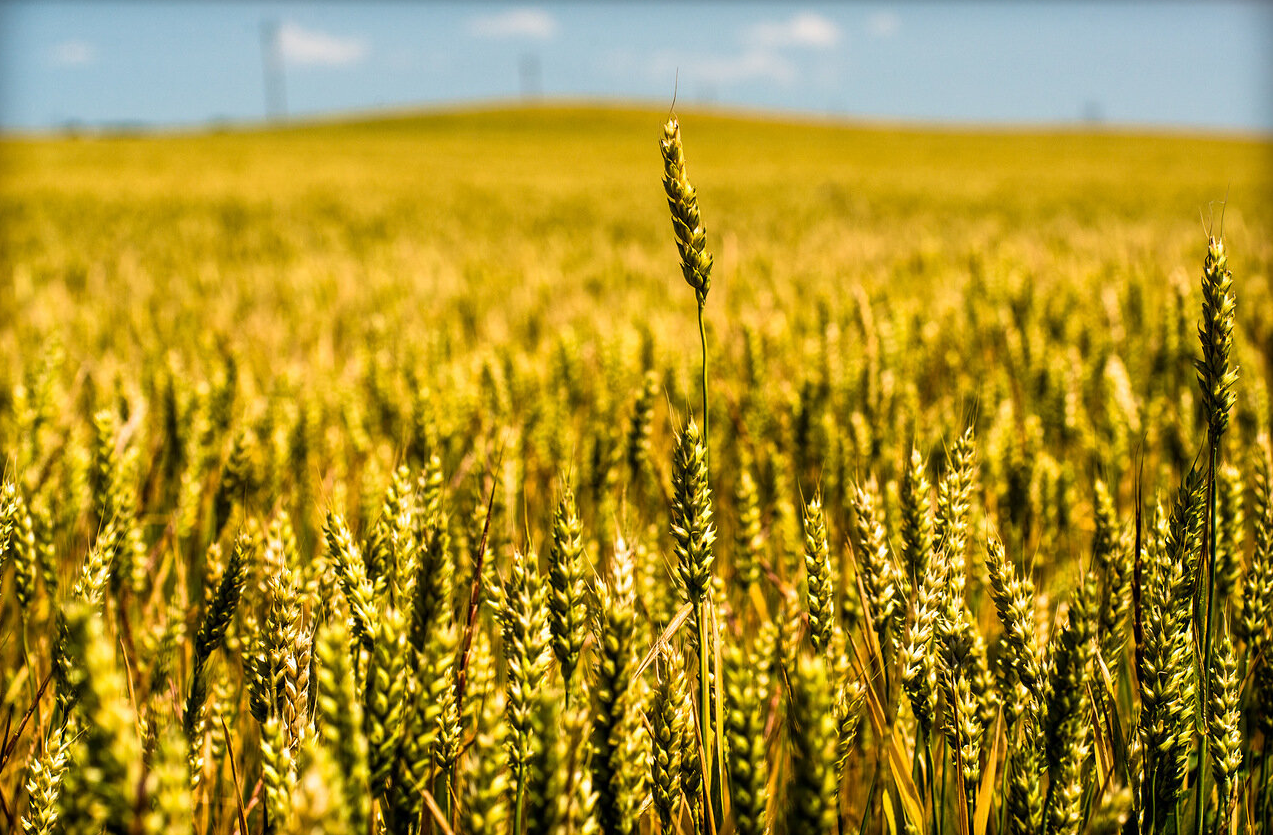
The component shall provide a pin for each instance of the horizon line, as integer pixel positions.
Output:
(141, 128)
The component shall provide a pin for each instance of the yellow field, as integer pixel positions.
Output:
(269, 397)
(566, 204)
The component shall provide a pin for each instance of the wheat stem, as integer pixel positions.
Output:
(704, 711)
(1216, 376)
(702, 340)
(1203, 752)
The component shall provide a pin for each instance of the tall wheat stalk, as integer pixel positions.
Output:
(691, 238)
(696, 266)
(1216, 376)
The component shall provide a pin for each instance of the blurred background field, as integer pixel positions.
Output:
(546, 216)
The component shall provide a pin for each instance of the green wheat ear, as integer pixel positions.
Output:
(111, 761)
(1216, 375)
(1223, 728)
(749, 535)
(746, 696)
(1230, 526)
(693, 532)
(848, 718)
(485, 780)
(881, 579)
(1023, 804)
(818, 583)
(216, 622)
(351, 573)
(567, 608)
(1113, 559)
(617, 771)
(526, 637)
(812, 793)
(340, 715)
(667, 733)
(278, 775)
(45, 783)
(639, 430)
(384, 697)
(1014, 600)
(687, 223)
(1066, 725)
(917, 659)
(917, 518)
(1257, 611)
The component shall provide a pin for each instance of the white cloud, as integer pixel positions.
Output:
(883, 25)
(306, 46)
(72, 54)
(515, 23)
(805, 29)
(753, 65)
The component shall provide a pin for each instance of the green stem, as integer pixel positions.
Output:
(941, 827)
(1261, 791)
(870, 801)
(32, 675)
(1201, 796)
(1003, 784)
(452, 809)
(930, 778)
(702, 341)
(917, 770)
(1149, 795)
(718, 740)
(704, 709)
(841, 819)
(700, 612)
(517, 800)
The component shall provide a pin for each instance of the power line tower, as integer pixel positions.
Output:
(272, 64)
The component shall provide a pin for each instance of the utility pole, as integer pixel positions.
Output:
(528, 72)
(272, 63)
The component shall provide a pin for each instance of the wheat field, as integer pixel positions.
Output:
(578, 469)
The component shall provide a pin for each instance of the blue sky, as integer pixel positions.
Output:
(1178, 64)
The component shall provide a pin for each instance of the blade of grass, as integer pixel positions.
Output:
(673, 626)
(475, 594)
(985, 792)
(719, 702)
(234, 774)
(438, 817)
(898, 762)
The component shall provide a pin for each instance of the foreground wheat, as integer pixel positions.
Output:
(695, 533)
